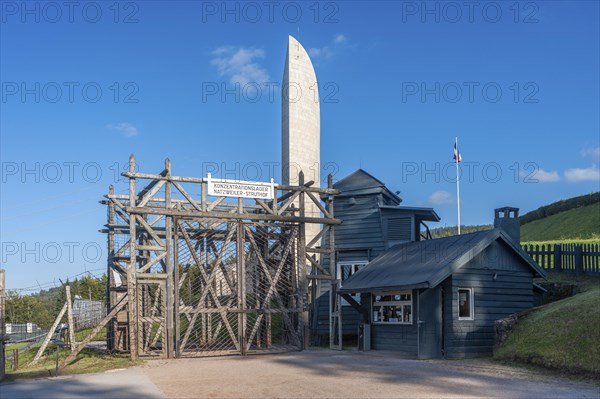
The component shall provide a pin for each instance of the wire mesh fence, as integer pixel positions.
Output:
(208, 287)
(238, 287)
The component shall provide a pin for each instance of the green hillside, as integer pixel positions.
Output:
(440, 232)
(561, 206)
(577, 223)
(562, 335)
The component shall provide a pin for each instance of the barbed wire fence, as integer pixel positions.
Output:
(73, 321)
(57, 283)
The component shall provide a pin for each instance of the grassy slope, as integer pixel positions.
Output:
(88, 361)
(563, 335)
(576, 223)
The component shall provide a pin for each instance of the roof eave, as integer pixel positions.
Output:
(390, 288)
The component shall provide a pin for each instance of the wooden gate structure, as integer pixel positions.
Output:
(194, 274)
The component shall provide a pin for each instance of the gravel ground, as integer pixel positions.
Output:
(115, 384)
(332, 374)
(309, 374)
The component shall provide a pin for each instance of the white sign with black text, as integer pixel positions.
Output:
(238, 188)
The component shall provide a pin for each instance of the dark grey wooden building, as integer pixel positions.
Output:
(372, 222)
(441, 297)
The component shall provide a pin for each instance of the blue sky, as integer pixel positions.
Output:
(84, 87)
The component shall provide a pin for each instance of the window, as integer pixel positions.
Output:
(466, 309)
(347, 269)
(393, 308)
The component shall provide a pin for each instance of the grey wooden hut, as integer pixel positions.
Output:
(441, 297)
(372, 222)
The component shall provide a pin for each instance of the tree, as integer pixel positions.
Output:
(27, 309)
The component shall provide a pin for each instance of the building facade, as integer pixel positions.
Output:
(441, 297)
(372, 222)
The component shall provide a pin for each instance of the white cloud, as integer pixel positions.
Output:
(540, 175)
(592, 152)
(124, 127)
(339, 39)
(583, 174)
(329, 50)
(239, 64)
(315, 52)
(440, 197)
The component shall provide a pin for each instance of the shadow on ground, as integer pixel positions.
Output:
(130, 383)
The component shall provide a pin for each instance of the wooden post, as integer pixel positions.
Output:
(241, 278)
(578, 253)
(177, 287)
(2, 317)
(170, 291)
(111, 294)
(332, 271)
(557, 258)
(131, 267)
(72, 342)
(302, 280)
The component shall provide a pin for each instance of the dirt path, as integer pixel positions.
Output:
(330, 374)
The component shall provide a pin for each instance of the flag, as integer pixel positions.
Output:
(457, 156)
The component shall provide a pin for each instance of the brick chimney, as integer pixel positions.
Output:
(507, 219)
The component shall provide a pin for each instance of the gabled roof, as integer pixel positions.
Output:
(425, 264)
(358, 180)
(361, 182)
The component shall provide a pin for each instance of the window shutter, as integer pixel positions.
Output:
(399, 229)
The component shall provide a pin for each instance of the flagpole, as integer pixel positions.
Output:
(457, 181)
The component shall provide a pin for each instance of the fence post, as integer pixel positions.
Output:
(72, 342)
(2, 313)
(578, 251)
(557, 258)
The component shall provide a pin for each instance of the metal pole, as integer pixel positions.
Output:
(457, 157)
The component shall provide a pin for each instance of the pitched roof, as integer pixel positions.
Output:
(358, 180)
(425, 264)
(362, 182)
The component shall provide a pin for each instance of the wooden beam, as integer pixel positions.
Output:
(315, 263)
(95, 331)
(224, 215)
(147, 196)
(40, 351)
(181, 179)
(361, 309)
(317, 202)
